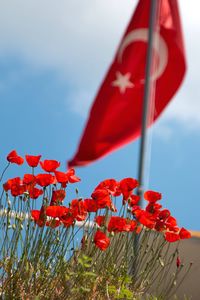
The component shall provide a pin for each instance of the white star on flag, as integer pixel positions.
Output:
(122, 82)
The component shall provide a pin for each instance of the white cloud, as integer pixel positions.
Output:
(78, 40)
(74, 37)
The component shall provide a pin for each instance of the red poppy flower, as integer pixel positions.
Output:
(136, 211)
(29, 179)
(68, 219)
(14, 181)
(145, 218)
(160, 225)
(39, 216)
(56, 211)
(132, 224)
(61, 177)
(164, 214)
(64, 178)
(184, 234)
(100, 220)
(152, 196)
(18, 189)
(33, 160)
(101, 240)
(34, 192)
(127, 185)
(6, 186)
(35, 214)
(102, 198)
(153, 207)
(171, 224)
(49, 165)
(171, 237)
(72, 177)
(14, 158)
(90, 205)
(172, 221)
(133, 200)
(119, 224)
(58, 196)
(111, 185)
(45, 179)
(78, 210)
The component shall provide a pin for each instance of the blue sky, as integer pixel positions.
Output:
(53, 57)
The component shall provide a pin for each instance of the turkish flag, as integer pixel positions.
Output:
(116, 114)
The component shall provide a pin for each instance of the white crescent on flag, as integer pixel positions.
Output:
(159, 46)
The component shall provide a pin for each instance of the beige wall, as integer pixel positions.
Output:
(190, 252)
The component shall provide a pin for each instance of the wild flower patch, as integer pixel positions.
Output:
(123, 250)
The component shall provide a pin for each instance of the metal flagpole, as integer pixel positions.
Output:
(146, 98)
(145, 114)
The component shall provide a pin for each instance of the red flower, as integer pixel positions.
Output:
(39, 216)
(172, 221)
(127, 185)
(14, 181)
(90, 205)
(160, 225)
(184, 234)
(29, 179)
(100, 220)
(78, 210)
(101, 240)
(61, 177)
(16, 186)
(56, 211)
(171, 224)
(136, 211)
(35, 214)
(45, 179)
(152, 196)
(164, 214)
(145, 218)
(171, 237)
(34, 193)
(72, 177)
(14, 158)
(6, 186)
(32, 160)
(111, 185)
(18, 189)
(68, 219)
(118, 224)
(64, 178)
(49, 165)
(58, 196)
(153, 207)
(102, 198)
(133, 200)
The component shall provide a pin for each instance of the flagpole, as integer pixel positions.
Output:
(145, 117)
(146, 98)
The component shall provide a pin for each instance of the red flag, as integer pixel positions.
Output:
(116, 115)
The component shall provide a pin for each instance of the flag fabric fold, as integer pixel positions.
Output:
(115, 118)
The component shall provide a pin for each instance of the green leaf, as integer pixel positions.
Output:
(89, 274)
(112, 289)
